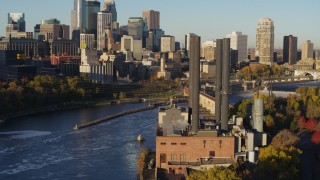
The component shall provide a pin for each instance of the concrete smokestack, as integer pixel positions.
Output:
(222, 82)
(225, 84)
(194, 81)
(218, 82)
(258, 115)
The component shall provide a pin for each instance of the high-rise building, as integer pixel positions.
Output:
(239, 42)
(307, 50)
(290, 49)
(265, 41)
(136, 27)
(50, 21)
(92, 8)
(79, 16)
(153, 19)
(110, 6)
(19, 19)
(194, 79)
(208, 50)
(168, 44)
(104, 21)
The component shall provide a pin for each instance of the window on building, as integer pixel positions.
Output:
(212, 153)
(163, 158)
(183, 144)
(173, 157)
(163, 143)
(183, 157)
(173, 143)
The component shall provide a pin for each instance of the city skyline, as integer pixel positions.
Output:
(211, 20)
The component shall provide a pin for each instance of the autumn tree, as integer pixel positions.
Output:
(285, 139)
(281, 163)
(316, 138)
(215, 173)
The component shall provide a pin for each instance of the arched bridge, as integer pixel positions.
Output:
(315, 75)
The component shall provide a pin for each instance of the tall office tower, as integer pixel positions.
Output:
(110, 6)
(92, 8)
(290, 49)
(168, 44)
(222, 82)
(208, 50)
(104, 20)
(153, 40)
(153, 19)
(239, 42)
(187, 43)
(265, 41)
(79, 16)
(136, 27)
(307, 50)
(19, 19)
(87, 41)
(194, 81)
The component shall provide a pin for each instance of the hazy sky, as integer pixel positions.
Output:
(210, 19)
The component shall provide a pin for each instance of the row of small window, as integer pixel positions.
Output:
(163, 143)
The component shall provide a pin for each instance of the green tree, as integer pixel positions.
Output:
(215, 173)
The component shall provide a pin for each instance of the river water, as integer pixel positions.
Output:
(45, 146)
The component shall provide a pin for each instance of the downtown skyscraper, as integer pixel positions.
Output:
(265, 41)
(110, 6)
(152, 19)
(79, 16)
(239, 42)
(290, 49)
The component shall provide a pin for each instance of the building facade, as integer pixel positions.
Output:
(110, 6)
(104, 20)
(18, 19)
(208, 50)
(79, 16)
(87, 41)
(239, 42)
(136, 27)
(152, 18)
(290, 44)
(265, 41)
(307, 50)
(54, 31)
(92, 9)
(168, 44)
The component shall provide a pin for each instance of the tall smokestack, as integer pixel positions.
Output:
(225, 84)
(163, 62)
(194, 60)
(222, 82)
(218, 82)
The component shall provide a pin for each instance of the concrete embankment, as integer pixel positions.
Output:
(110, 117)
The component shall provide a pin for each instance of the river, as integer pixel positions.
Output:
(44, 146)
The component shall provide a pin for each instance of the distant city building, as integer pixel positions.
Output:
(92, 9)
(12, 30)
(265, 41)
(18, 19)
(36, 31)
(239, 42)
(153, 19)
(136, 27)
(50, 21)
(79, 16)
(307, 50)
(87, 41)
(55, 31)
(290, 49)
(168, 43)
(110, 6)
(208, 50)
(63, 47)
(137, 49)
(153, 40)
(127, 43)
(104, 21)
